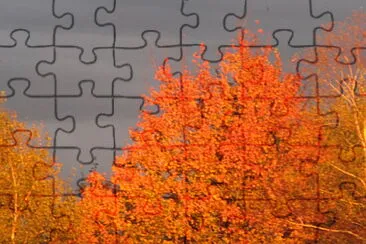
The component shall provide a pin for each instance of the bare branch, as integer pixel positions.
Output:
(329, 230)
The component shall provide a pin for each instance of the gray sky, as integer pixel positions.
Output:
(34, 62)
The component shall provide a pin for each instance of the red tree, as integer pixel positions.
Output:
(226, 160)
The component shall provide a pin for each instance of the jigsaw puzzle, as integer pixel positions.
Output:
(82, 68)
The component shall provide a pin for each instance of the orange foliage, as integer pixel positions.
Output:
(342, 167)
(32, 208)
(219, 164)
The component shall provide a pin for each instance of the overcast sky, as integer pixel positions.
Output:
(55, 56)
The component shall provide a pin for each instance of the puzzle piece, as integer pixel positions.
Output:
(348, 32)
(181, 62)
(28, 15)
(35, 109)
(144, 62)
(258, 199)
(270, 17)
(348, 204)
(123, 115)
(331, 87)
(73, 170)
(284, 189)
(340, 164)
(84, 33)
(309, 212)
(289, 207)
(103, 218)
(102, 71)
(19, 61)
(212, 26)
(81, 110)
(120, 119)
(290, 55)
(163, 17)
(327, 72)
(19, 142)
(32, 168)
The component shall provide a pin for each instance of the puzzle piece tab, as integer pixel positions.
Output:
(144, 62)
(160, 16)
(212, 26)
(83, 109)
(84, 33)
(349, 207)
(348, 32)
(182, 62)
(31, 187)
(102, 71)
(269, 17)
(35, 110)
(123, 115)
(19, 62)
(332, 78)
(33, 16)
(73, 170)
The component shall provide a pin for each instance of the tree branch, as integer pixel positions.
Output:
(329, 230)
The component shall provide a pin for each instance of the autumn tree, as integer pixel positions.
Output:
(342, 168)
(32, 209)
(228, 160)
